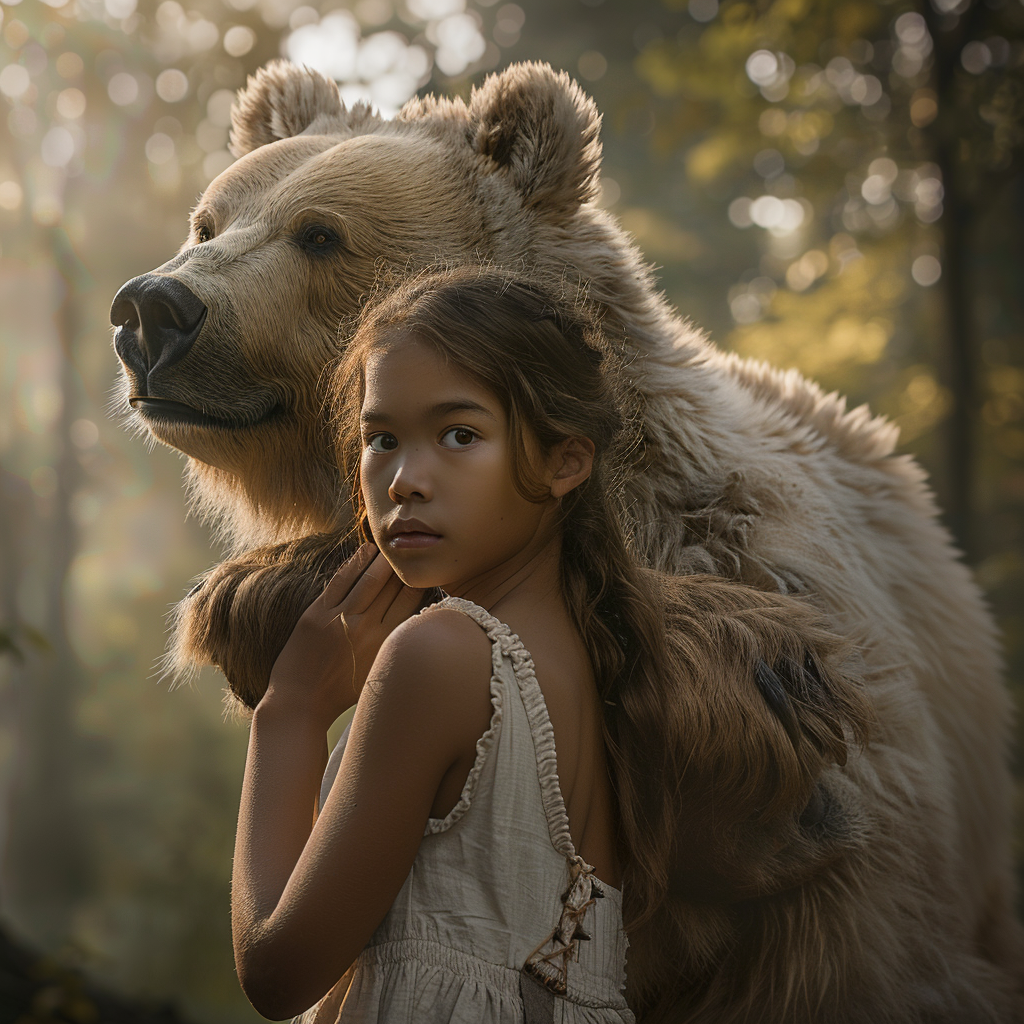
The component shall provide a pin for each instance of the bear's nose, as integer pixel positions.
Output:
(160, 315)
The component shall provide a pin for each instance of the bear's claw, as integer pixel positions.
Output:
(774, 693)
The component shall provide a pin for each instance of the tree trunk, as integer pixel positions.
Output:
(45, 856)
(961, 369)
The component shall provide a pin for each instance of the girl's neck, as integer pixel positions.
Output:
(531, 580)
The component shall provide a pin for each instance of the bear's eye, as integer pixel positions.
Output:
(316, 238)
(203, 234)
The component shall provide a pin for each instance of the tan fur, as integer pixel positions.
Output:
(754, 475)
(259, 595)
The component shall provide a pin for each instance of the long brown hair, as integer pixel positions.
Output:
(556, 377)
(722, 704)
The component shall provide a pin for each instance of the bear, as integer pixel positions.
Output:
(887, 894)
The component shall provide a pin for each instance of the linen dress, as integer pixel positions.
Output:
(500, 920)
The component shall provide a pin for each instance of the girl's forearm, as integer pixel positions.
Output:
(284, 765)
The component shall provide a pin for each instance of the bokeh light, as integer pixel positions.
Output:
(703, 10)
(172, 85)
(123, 88)
(239, 40)
(57, 147)
(71, 103)
(14, 81)
(926, 270)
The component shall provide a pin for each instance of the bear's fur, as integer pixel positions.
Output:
(753, 474)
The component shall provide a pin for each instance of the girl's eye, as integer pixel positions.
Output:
(382, 443)
(458, 437)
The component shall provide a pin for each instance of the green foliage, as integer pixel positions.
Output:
(848, 134)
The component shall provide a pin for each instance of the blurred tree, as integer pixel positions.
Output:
(876, 134)
(45, 847)
(47, 851)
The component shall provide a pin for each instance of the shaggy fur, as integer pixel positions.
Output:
(260, 596)
(900, 908)
(767, 699)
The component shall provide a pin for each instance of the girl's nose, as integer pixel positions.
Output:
(409, 482)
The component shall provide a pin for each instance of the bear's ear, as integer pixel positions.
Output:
(279, 101)
(542, 130)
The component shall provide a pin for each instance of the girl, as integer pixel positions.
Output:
(459, 870)
(476, 420)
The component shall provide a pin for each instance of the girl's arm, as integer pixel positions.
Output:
(306, 898)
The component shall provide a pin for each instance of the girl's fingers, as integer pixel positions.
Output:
(405, 603)
(366, 583)
(394, 603)
(365, 590)
(344, 579)
(378, 609)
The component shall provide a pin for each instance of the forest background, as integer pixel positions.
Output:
(831, 185)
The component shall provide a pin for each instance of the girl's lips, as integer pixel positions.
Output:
(413, 540)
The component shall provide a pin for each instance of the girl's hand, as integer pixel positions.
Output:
(325, 662)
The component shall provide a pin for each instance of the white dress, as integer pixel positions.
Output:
(490, 925)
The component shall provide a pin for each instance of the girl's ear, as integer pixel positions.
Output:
(571, 463)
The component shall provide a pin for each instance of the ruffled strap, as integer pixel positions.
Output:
(485, 744)
(507, 643)
(545, 973)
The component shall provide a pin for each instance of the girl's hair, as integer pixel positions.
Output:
(557, 378)
(723, 705)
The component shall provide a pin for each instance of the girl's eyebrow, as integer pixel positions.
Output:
(460, 405)
(441, 409)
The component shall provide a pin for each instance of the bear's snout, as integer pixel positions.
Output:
(157, 319)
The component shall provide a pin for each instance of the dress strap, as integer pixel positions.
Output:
(549, 962)
(545, 974)
(508, 644)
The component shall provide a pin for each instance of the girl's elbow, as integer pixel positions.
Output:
(272, 995)
(268, 983)
(279, 986)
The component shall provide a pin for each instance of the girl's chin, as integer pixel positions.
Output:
(419, 577)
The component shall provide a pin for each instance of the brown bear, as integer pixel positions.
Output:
(883, 891)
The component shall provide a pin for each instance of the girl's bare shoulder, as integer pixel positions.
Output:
(436, 655)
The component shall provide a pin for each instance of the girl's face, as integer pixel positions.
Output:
(435, 474)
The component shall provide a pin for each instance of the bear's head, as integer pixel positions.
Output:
(224, 348)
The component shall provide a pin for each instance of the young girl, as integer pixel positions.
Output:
(469, 874)
(460, 869)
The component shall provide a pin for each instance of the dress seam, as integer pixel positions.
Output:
(464, 966)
